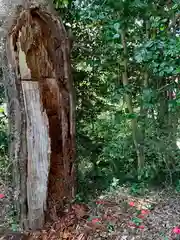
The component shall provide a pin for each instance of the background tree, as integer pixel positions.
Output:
(128, 55)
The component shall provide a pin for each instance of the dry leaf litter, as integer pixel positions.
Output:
(116, 216)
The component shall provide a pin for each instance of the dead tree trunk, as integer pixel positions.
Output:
(39, 92)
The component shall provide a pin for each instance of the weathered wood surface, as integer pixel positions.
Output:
(38, 149)
(41, 111)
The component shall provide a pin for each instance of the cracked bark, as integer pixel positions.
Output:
(38, 81)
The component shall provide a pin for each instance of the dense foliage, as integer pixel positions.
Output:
(126, 72)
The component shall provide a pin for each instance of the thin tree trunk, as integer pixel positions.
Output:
(162, 117)
(128, 99)
(37, 75)
(145, 85)
(144, 110)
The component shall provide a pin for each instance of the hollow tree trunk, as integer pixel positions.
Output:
(39, 91)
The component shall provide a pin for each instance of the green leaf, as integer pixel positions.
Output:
(149, 44)
(14, 227)
(162, 28)
(117, 26)
(137, 220)
(1, 110)
(139, 58)
(178, 102)
(116, 36)
(178, 70)
(169, 69)
(131, 116)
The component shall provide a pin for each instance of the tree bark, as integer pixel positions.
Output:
(135, 131)
(37, 74)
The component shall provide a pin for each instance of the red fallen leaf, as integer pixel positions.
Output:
(176, 230)
(140, 216)
(141, 227)
(99, 202)
(132, 225)
(145, 211)
(96, 220)
(132, 204)
(2, 195)
(135, 226)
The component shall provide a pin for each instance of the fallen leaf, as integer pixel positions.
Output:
(132, 225)
(132, 204)
(66, 234)
(2, 195)
(82, 236)
(136, 226)
(140, 216)
(141, 227)
(106, 203)
(52, 232)
(100, 202)
(144, 212)
(44, 235)
(96, 220)
(81, 210)
(176, 230)
(95, 226)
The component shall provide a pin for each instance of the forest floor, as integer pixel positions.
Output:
(119, 216)
(155, 216)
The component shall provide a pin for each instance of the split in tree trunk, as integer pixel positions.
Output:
(41, 112)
